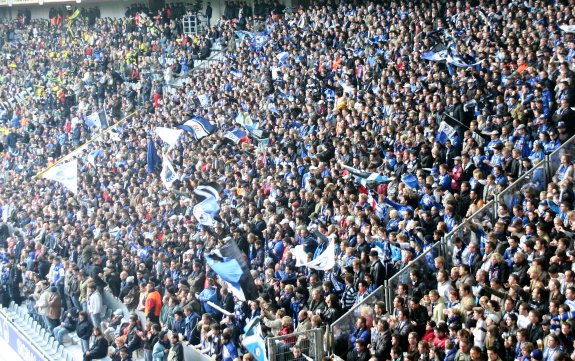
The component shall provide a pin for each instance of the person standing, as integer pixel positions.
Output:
(94, 304)
(209, 12)
(177, 350)
(84, 330)
(54, 309)
(15, 281)
(153, 306)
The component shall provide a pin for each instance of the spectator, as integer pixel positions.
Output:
(99, 348)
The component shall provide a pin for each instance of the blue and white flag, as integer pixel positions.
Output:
(208, 207)
(445, 132)
(91, 158)
(259, 41)
(169, 136)
(66, 174)
(253, 340)
(235, 136)
(168, 174)
(410, 181)
(457, 61)
(283, 56)
(199, 127)
(237, 73)
(374, 178)
(152, 160)
(242, 34)
(435, 56)
(97, 119)
(204, 100)
(206, 211)
(229, 270)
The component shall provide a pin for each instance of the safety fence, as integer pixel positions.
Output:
(310, 343)
(339, 331)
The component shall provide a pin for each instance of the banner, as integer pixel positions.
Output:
(66, 174)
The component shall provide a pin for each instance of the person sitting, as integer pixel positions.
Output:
(99, 348)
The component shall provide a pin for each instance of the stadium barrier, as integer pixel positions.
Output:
(311, 343)
(339, 331)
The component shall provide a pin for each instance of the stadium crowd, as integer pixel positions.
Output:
(334, 85)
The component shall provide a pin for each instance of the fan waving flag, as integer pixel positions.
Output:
(168, 135)
(236, 136)
(66, 174)
(325, 261)
(152, 159)
(208, 205)
(199, 127)
(230, 265)
(97, 119)
(168, 174)
(253, 340)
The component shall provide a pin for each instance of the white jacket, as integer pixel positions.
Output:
(94, 303)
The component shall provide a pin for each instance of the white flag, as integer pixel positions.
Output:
(168, 174)
(567, 28)
(299, 255)
(168, 135)
(325, 261)
(65, 173)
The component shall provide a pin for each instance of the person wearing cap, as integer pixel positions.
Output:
(493, 142)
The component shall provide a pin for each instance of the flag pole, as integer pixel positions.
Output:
(41, 173)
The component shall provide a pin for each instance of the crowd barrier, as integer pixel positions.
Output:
(311, 343)
(339, 331)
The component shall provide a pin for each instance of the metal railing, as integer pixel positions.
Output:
(554, 159)
(340, 330)
(311, 343)
(473, 226)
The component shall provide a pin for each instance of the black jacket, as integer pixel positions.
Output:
(84, 329)
(99, 348)
(377, 271)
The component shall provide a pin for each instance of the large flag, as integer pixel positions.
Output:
(66, 174)
(324, 262)
(229, 270)
(168, 135)
(253, 340)
(168, 174)
(152, 160)
(230, 264)
(97, 119)
(208, 206)
(199, 127)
